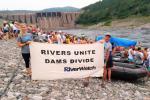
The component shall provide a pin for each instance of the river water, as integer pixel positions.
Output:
(140, 35)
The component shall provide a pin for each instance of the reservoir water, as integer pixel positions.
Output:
(140, 35)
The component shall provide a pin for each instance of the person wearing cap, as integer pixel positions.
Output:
(107, 58)
(23, 41)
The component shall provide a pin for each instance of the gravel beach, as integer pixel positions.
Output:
(15, 85)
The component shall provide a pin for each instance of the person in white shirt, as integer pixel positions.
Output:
(44, 35)
(6, 30)
(131, 54)
(14, 26)
(15, 29)
(63, 37)
(59, 39)
(138, 56)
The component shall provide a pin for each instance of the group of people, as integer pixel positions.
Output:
(27, 33)
(9, 30)
(139, 56)
(31, 33)
(60, 38)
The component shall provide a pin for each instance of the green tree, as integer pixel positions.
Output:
(113, 9)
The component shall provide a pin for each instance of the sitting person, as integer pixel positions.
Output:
(145, 58)
(138, 56)
(148, 64)
(131, 54)
(148, 59)
(145, 52)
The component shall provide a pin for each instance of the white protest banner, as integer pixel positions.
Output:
(60, 61)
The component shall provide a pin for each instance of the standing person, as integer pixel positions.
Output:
(1, 34)
(83, 40)
(67, 41)
(6, 30)
(34, 32)
(23, 41)
(107, 58)
(75, 40)
(44, 36)
(15, 29)
(63, 37)
(58, 36)
(50, 40)
(54, 38)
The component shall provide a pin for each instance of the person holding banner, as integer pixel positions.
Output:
(23, 41)
(108, 63)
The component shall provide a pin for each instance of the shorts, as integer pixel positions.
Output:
(148, 68)
(16, 31)
(109, 63)
(131, 60)
(5, 31)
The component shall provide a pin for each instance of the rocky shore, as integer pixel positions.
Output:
(15, 85)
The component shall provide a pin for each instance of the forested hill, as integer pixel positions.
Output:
(113, 9)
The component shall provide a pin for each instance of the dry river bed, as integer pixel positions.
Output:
(15, 85)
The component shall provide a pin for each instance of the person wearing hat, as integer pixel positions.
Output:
(23, 41)
(107, 58)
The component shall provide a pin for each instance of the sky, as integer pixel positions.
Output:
(42, 4)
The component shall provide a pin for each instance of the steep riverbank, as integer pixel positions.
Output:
(15, 85)
(128, 23)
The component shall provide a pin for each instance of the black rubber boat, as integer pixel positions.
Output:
(127, 71)
(122, 60)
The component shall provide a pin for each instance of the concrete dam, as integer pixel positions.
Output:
(46, 20)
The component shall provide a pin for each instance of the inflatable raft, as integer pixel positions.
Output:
(128, 71)
(122, 69)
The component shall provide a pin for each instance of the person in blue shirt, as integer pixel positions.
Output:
(23, 41)
(108, 63)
